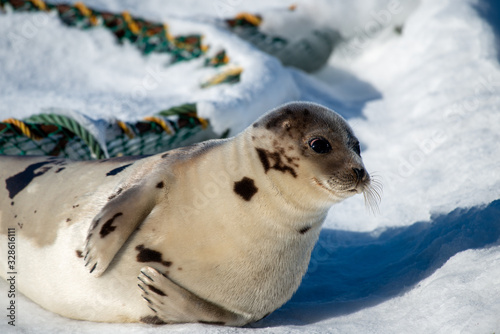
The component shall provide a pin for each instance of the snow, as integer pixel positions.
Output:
(425, 105)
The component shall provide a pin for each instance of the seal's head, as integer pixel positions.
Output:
(315, 146)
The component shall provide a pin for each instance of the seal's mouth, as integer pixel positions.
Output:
(336, 188)
(370, 188)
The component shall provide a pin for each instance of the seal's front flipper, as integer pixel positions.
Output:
(174, 304)
(119, 218)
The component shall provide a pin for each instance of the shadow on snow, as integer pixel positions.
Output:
(350, 271)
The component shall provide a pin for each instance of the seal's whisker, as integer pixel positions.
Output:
(372, 194)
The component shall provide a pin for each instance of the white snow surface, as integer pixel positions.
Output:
(425, 105)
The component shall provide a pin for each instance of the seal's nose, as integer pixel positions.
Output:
(360, 173)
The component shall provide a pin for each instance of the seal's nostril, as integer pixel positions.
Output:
(360, 173)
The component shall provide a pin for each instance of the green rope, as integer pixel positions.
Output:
(182, 109)
(51, 134)
(74, 127)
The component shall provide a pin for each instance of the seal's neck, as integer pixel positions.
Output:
(282, 188)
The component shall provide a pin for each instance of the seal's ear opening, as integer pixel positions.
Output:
(114, 224)
(286, 124)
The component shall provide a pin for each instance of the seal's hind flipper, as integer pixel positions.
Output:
(173, 304)
(119, 218)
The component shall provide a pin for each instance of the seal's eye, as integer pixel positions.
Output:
(320, 145)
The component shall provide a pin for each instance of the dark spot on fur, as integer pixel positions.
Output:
(149, 255)
(263, 159)
(68, 220)
(107, 228)
(307, 112)
(152, 320)
(76, 205)
(256, 124)
(245, 188)
(304, 229)
(164, 155)
(34, 211)
(118, 192)
(12, 203)
(20, 225)
(156, 290)
(117, 170)
(267, 157)
(18, 182)
(15, 216)
(60, 169)
(217, 323)
(180, 268)
(160, 185)
(79, 253)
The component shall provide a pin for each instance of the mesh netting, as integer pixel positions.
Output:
(58, 135)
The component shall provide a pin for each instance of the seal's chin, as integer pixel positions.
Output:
(339, 189)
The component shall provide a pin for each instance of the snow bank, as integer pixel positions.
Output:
(48, 65)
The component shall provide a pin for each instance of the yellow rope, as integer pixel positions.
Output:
(126, 129)
(131, 23)
(161, 122)
(40, 4)
(83, 9)
(253, 19)
(23, 127)
(203, 121)
(86, 12)
(217, 79)
(167, 34)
